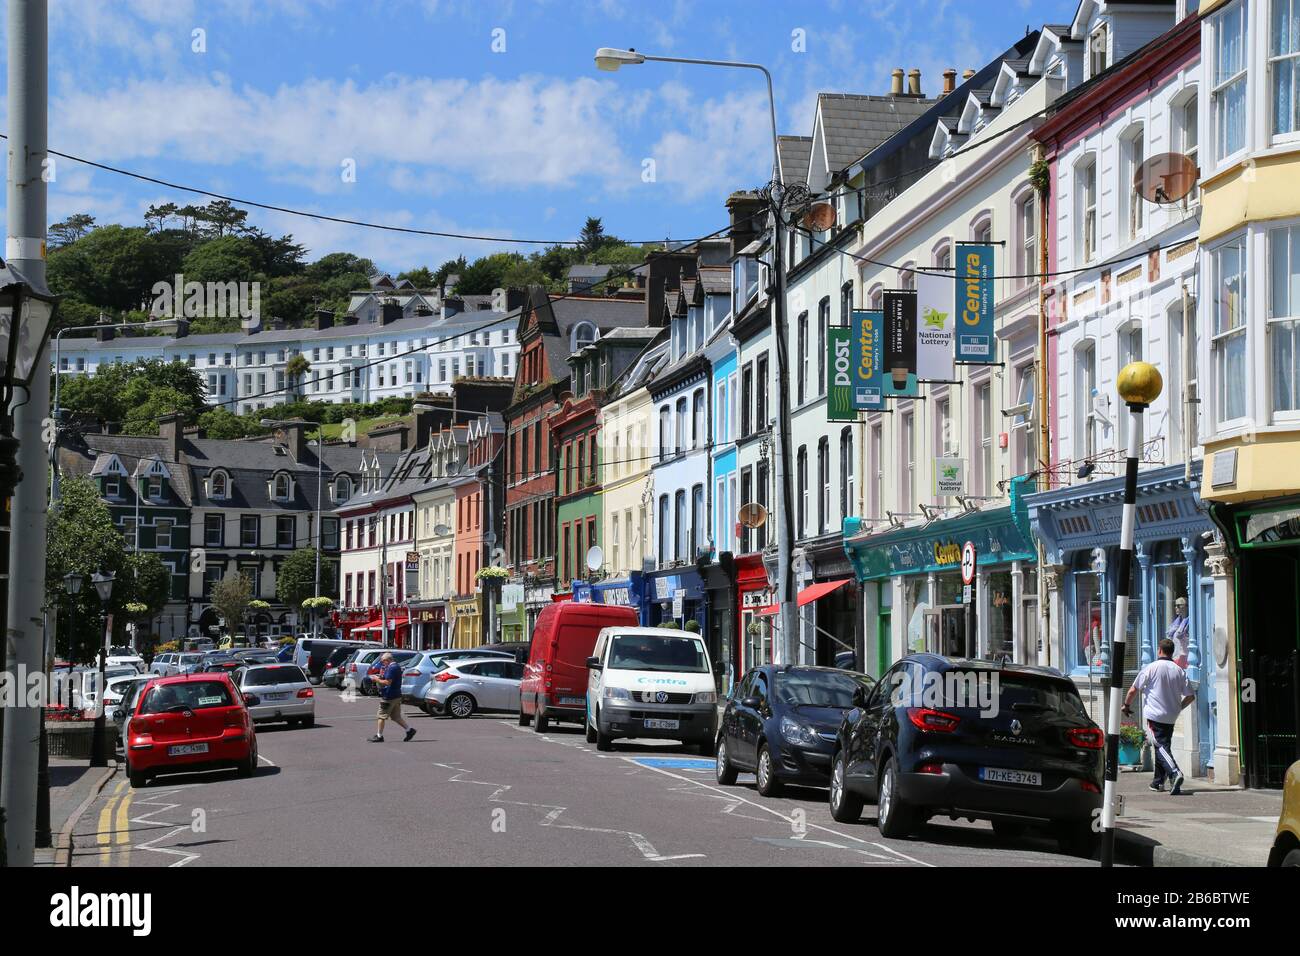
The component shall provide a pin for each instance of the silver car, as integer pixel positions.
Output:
(463, 687)
(275, 692)
(417, 673)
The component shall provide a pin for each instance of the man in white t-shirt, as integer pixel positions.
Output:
(1165, 692)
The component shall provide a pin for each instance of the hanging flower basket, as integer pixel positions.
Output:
(492, 573)
(317, 604)
(257, 605)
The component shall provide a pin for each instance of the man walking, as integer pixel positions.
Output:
(1165, 692)
(390, 698)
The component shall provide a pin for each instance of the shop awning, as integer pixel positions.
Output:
(378, 625)
(809, 594)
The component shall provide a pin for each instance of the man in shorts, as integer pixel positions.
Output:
(390, 698)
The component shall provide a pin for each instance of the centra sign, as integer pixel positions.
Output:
(947, 553)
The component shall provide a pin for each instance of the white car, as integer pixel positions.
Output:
(126, 660)
(461, 687)
(651, 682)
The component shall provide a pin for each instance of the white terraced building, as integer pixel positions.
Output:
(395, 341)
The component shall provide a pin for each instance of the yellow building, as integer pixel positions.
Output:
(1250, 356)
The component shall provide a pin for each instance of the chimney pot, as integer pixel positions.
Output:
(914, 82)
(896, 82)
(966, 75)
(949, 80)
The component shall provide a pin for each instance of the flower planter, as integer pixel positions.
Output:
(1130, 754)
(70, 738)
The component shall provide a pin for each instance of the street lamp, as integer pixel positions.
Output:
(779, 198)
(26, 314)
(1139, 385)
(103, 581)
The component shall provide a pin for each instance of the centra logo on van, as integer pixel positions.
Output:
(661, 680)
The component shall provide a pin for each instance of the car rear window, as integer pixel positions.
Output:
(191, 695)
(265, 676)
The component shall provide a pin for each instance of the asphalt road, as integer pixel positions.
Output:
(484, 791)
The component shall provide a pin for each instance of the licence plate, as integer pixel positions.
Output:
(654, 724)
(177, 750)
(1028, 778)
(277, 696)
(573, 700)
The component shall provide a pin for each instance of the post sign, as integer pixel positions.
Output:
(934, 330)
(868, 342)
(949, 477)
(976, 343)
(900, 343)
(839, 372)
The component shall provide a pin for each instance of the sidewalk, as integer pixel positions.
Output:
(73, 786)
(1205, 825)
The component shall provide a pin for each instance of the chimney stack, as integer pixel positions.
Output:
(170, 427)
(914, 82)
(294, 435)
(388, 312)
(966, 75)
(896, 82)
(949, 80)
(323, 319)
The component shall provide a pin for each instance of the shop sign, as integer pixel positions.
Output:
(949, 477)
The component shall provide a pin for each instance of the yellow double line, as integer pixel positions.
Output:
(115, 827)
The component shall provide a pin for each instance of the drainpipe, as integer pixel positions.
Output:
(1187, 411)
(1044, 420)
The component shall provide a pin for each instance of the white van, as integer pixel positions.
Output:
(651, 682)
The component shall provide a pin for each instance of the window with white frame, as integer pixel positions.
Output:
(1183, 378)
(163, 533)
(943, 445)
(1228, 345)
(802, 353)
(1284, 66)
(823, 322)
(984, 421)
(824, 478)
(907, 276)
(877, 466)
(1024, 435)
(1228, 92)
(1026, 237)
(907, 436)
(1085, 184)
(1132, 149)
(982, 229)
(1099, 50)
(847, 465)
(1085, 387)
(801, 500)
(1284, 317)
(876, 298)
(1186, 133)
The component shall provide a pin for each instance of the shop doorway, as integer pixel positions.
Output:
(1269, 608)
(945, 631)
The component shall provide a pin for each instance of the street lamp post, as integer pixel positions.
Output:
(1139, 385)
(779, 198)
(103, 581)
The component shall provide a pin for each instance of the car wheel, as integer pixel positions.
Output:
(604, 741)
(524, 719)
(1291, 859)
(724, 772)
(893, 817)
(249, 766)
(765, 773)
(1077, 839)
(460, 705)
(846, 806)
(542, 722)
(591, 731)
(1009, 829)
(138, 777)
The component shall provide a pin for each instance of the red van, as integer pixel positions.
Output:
(555, 680)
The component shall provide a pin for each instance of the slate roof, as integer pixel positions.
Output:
(854, 124)
(87, 457)
(716, 280)
(794, 153)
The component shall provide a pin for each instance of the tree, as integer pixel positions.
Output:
(455, 266)
(593, 236)
(71, 229)
(295, 579)
(146, 585)
(225, 259)
(113, 267)
(159, 215)
(224, 217)
(294, 370)
(420, 277)
(230, 596)
(221, 423)
(80, 537)
(136, 393)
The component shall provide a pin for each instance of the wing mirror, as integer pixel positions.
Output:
(594, 663)
(119, 714)
(752, 703)
(859, 697)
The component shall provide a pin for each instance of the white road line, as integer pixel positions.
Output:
(185, 856)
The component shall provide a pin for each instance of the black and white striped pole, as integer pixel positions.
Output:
(1139, 385)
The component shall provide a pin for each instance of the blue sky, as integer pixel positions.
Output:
(444, 131)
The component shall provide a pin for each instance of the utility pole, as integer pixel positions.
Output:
(320, 460)
(489, 540)
(25, 250)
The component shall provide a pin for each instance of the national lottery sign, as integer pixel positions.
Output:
(868, 353)
(976, 343)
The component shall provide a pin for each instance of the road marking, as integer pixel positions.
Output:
(268, 760)
(104, 827)
(157, 798)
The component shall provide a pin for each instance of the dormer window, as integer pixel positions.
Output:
(342, 488)
(282, 487)
(584, 333)
(155, 488)
(220, 485)
(1099, 50)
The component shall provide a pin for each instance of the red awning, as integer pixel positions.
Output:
(809, 594)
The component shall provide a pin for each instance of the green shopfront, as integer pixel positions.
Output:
(912, 594)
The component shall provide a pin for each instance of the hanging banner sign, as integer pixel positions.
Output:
(949, 477)
(900, 343)
(839, 375)
(976, 343)
(934, 331)
(868, 353)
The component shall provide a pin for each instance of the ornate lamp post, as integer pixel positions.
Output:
(1139, 385)
(103, 581)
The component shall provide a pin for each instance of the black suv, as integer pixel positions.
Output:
(970, 738)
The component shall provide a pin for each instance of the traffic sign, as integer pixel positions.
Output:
(968, 562)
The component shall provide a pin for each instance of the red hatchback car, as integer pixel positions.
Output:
(189, 722)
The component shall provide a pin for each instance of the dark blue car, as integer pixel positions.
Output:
(780, 724)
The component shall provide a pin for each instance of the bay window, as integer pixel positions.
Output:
(1284, 318)
(1228, 346)
(1228, 94)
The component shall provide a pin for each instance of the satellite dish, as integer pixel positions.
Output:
(752, 515)
(595, 558)
(818, 217)
(1165, 178)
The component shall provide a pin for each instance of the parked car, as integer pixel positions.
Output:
(463, 687)
(311, 653)
(214, 665)
(781, 722)
(189, 722)
(185, 663)
(332, 675)
(115, 687)
(275, 692)
(90, 686)
(162, 662)
(555, 681)
(651, 682)
(255, 656)
(519, 650)
(417, 671)
(130, 690)
(1286, 844)
(1012, 744)
(124, 656)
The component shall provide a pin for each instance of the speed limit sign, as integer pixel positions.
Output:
(968, 562)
